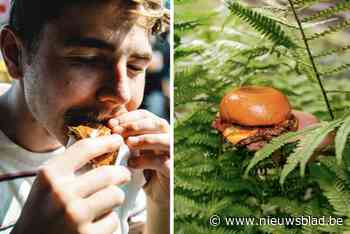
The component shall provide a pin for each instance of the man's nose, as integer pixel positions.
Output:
(119, 88)
(121, 82)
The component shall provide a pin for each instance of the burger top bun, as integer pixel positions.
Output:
(254, 106)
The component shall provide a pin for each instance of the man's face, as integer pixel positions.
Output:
(90, 66)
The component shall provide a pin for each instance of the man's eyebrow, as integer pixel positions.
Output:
(88, 42)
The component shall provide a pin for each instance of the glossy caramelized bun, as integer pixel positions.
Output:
(254, 106)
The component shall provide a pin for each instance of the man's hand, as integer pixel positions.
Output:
(62, 202)
(148, 134)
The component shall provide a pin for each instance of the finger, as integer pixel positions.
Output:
(141, 127)
(99, 178)
(149, 142)
(132, 116)
(149, 161)
(104, 201)
(83, 151)
(108, 224)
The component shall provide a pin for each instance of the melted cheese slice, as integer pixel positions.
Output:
(235, 135)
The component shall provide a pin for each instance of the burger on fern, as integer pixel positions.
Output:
(251, 116)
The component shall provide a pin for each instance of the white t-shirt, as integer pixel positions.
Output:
(13, 194)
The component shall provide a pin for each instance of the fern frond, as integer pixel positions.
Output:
(332, 29)
(312, 141)
(254, 52)
(212, 185)
(274, 145)
(311, 209)
(333, 51)
(183, 52)
(204, 139)
(340, 69)
(330, 164)
(338, 197)
(303, 65)
(197, 170)
(188, 207)
(288, 206)
(306, 148)
(265, 25)
(341, 139)
(238, 210)
(186, 26)
(304, 3)
(278, 229)
(202, 117)
(193, 228)
(328, 12)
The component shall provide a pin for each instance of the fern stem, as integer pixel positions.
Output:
(318, 76)
(338, 91)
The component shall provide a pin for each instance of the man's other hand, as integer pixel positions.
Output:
(149, 135)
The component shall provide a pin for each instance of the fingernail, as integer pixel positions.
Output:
(133, 140)
(118, 129)
(114, 122)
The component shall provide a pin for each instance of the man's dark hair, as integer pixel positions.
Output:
(28, 17)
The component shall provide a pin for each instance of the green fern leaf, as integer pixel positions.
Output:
(338, 197)
(213, 185)
(274, 145)
(202, 117)
(330, 164)
(186, 26)
(193, 228)
(333, 51)
(181, 52)
(204, 139)
(312, 141)
(306, 148)
(265, 25)
(197, 170)
(278, 229)
(238, 210)
(328, 12)
(189, 207)
(333, 29)
(304, 3)
(341, 138)
(340, 69)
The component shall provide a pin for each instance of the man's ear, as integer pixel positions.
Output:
(11, 49)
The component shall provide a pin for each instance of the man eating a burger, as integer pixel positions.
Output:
(79, 63)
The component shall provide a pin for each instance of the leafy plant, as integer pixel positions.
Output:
(276, 45)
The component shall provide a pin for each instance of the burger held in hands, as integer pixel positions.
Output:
(92, 130)
(251, 116)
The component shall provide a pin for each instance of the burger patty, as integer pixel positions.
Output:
(260, 135)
